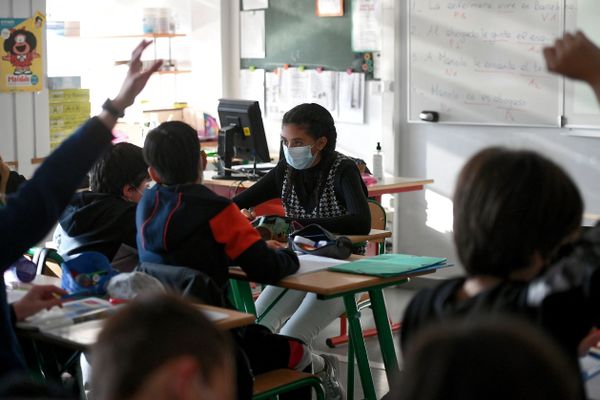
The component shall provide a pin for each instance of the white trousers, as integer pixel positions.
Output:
(297, 314)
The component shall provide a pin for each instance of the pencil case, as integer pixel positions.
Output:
(316, 240)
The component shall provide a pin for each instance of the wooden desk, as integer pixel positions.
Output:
(328, 285)
(389, 185)
(81, 336)
(375, 235)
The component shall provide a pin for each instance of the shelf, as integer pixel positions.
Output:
(141, 35)
(182, 71)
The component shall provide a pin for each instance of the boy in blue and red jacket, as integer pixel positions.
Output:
(181, 222)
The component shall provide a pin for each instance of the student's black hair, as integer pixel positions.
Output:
(317, 122)
(123, 164)
(29, 38)
(494, 359)
(148, 333)
(510, 205)
(173, 150)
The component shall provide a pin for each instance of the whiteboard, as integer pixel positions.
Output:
(480, 62)
(581, 105)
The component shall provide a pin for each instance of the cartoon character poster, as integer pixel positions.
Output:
(21, 65)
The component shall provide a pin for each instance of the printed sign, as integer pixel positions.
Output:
(21, 64)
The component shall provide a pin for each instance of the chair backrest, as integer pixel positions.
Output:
(48, 261)
(186, 282)
(378, 217)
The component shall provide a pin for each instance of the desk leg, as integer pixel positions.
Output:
(358, 343)
(384, 333)
(242, 294)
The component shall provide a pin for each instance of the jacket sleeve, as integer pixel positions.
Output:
(357, 220)
(568, 293)
(263, 190)
(32, 212)
(244, 247)
(14, 182)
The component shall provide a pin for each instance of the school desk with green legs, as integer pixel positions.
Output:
(329, 285)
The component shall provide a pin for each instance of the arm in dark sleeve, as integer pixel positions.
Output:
(14, 182)
(244, 246)
(357, 221)
(129, 232)
(263, 190)
(569, 290)
(30, 214)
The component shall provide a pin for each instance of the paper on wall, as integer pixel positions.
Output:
(274, 109)
(252, 86)
(322, 89)
(254, 4)
(351, 99)
(252, 34)
(366, 25)
(294, 87)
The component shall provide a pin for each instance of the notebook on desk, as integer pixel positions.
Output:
(389, 265)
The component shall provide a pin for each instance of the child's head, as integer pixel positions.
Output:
(311, 123)
(511, 209)
(161, 347)
(121, 171)
(485, 359)
(172, 150)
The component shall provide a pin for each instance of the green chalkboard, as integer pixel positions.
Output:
(296, 36)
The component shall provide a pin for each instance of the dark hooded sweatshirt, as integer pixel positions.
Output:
(96, 222)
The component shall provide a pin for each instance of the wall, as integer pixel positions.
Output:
(24, 131)
(24, 134)
(358, 140)
(438, 152)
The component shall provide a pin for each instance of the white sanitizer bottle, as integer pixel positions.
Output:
(378, 163)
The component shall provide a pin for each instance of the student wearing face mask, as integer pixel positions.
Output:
(316, 185)
(103, 218)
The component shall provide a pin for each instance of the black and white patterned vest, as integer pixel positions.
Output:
(328, 205)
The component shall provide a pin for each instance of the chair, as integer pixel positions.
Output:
(378, 220)
(48, 261)
(274, 383)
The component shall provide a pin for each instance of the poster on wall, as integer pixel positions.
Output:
(21, 64)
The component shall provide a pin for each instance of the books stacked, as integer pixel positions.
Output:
(69, 108)
(389, 265)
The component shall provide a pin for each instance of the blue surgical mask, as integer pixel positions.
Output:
(299, 157)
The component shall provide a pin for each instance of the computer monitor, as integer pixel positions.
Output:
(242, 136)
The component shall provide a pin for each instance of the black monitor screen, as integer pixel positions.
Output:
(249, 141)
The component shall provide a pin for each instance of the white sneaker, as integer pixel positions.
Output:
(329, 377)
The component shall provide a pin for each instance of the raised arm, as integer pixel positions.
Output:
(575, 56)
(30, 214)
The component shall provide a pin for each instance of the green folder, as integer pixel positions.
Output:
(387, 265)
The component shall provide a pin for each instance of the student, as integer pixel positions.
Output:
(493, 359)
(103, 219)
(516, 213)
(181, 222)
(161, 347)
(30, 214)
(575, 56)
(317, 185)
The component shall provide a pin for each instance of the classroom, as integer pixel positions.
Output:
(421, 93)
